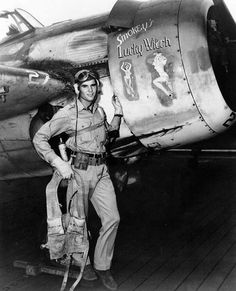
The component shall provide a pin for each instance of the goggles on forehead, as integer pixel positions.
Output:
(84, 75)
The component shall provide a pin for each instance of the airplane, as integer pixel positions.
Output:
(170, 62)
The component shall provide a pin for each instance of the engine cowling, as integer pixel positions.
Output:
(164, 72)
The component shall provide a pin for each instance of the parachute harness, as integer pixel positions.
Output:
(67, 233)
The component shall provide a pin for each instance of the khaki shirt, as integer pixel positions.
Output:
(65, 121)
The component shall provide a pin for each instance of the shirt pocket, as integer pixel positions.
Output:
(83, 131)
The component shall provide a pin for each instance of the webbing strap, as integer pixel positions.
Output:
(81, 272)
(67, 234)
(87, 129)
(53, 208)
(65, 278)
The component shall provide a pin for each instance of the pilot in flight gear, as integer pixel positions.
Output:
(84, 121)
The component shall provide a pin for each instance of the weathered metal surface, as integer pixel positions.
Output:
(165, 103)
(197, 64)
(17, 155)
(123, 13)
(76, 47)
(50, 43)
(27, 89)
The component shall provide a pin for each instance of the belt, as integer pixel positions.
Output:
(81, 160)
(97, 156)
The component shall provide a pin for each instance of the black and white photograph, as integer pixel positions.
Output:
(118, 145)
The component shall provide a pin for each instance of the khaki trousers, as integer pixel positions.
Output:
(95, 184)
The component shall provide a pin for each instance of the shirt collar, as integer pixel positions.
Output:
(81, 106)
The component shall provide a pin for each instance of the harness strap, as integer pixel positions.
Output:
(67, 233)
(86, 129)
(81, 272)
(65, 278)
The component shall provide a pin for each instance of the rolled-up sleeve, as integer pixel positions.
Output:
(59, 123)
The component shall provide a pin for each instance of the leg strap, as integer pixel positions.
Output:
(67, 234)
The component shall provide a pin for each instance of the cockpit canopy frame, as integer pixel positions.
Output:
(15, 23)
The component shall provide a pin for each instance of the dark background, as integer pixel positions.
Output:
(160, 208)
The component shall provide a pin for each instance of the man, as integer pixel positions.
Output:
(85, 123)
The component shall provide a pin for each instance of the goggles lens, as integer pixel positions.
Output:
(84, 75)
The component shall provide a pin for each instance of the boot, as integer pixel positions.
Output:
(107, 279)
(89, 274)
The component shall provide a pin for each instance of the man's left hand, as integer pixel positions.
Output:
(117, 105)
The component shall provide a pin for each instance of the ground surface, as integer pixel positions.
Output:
(177, 229)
